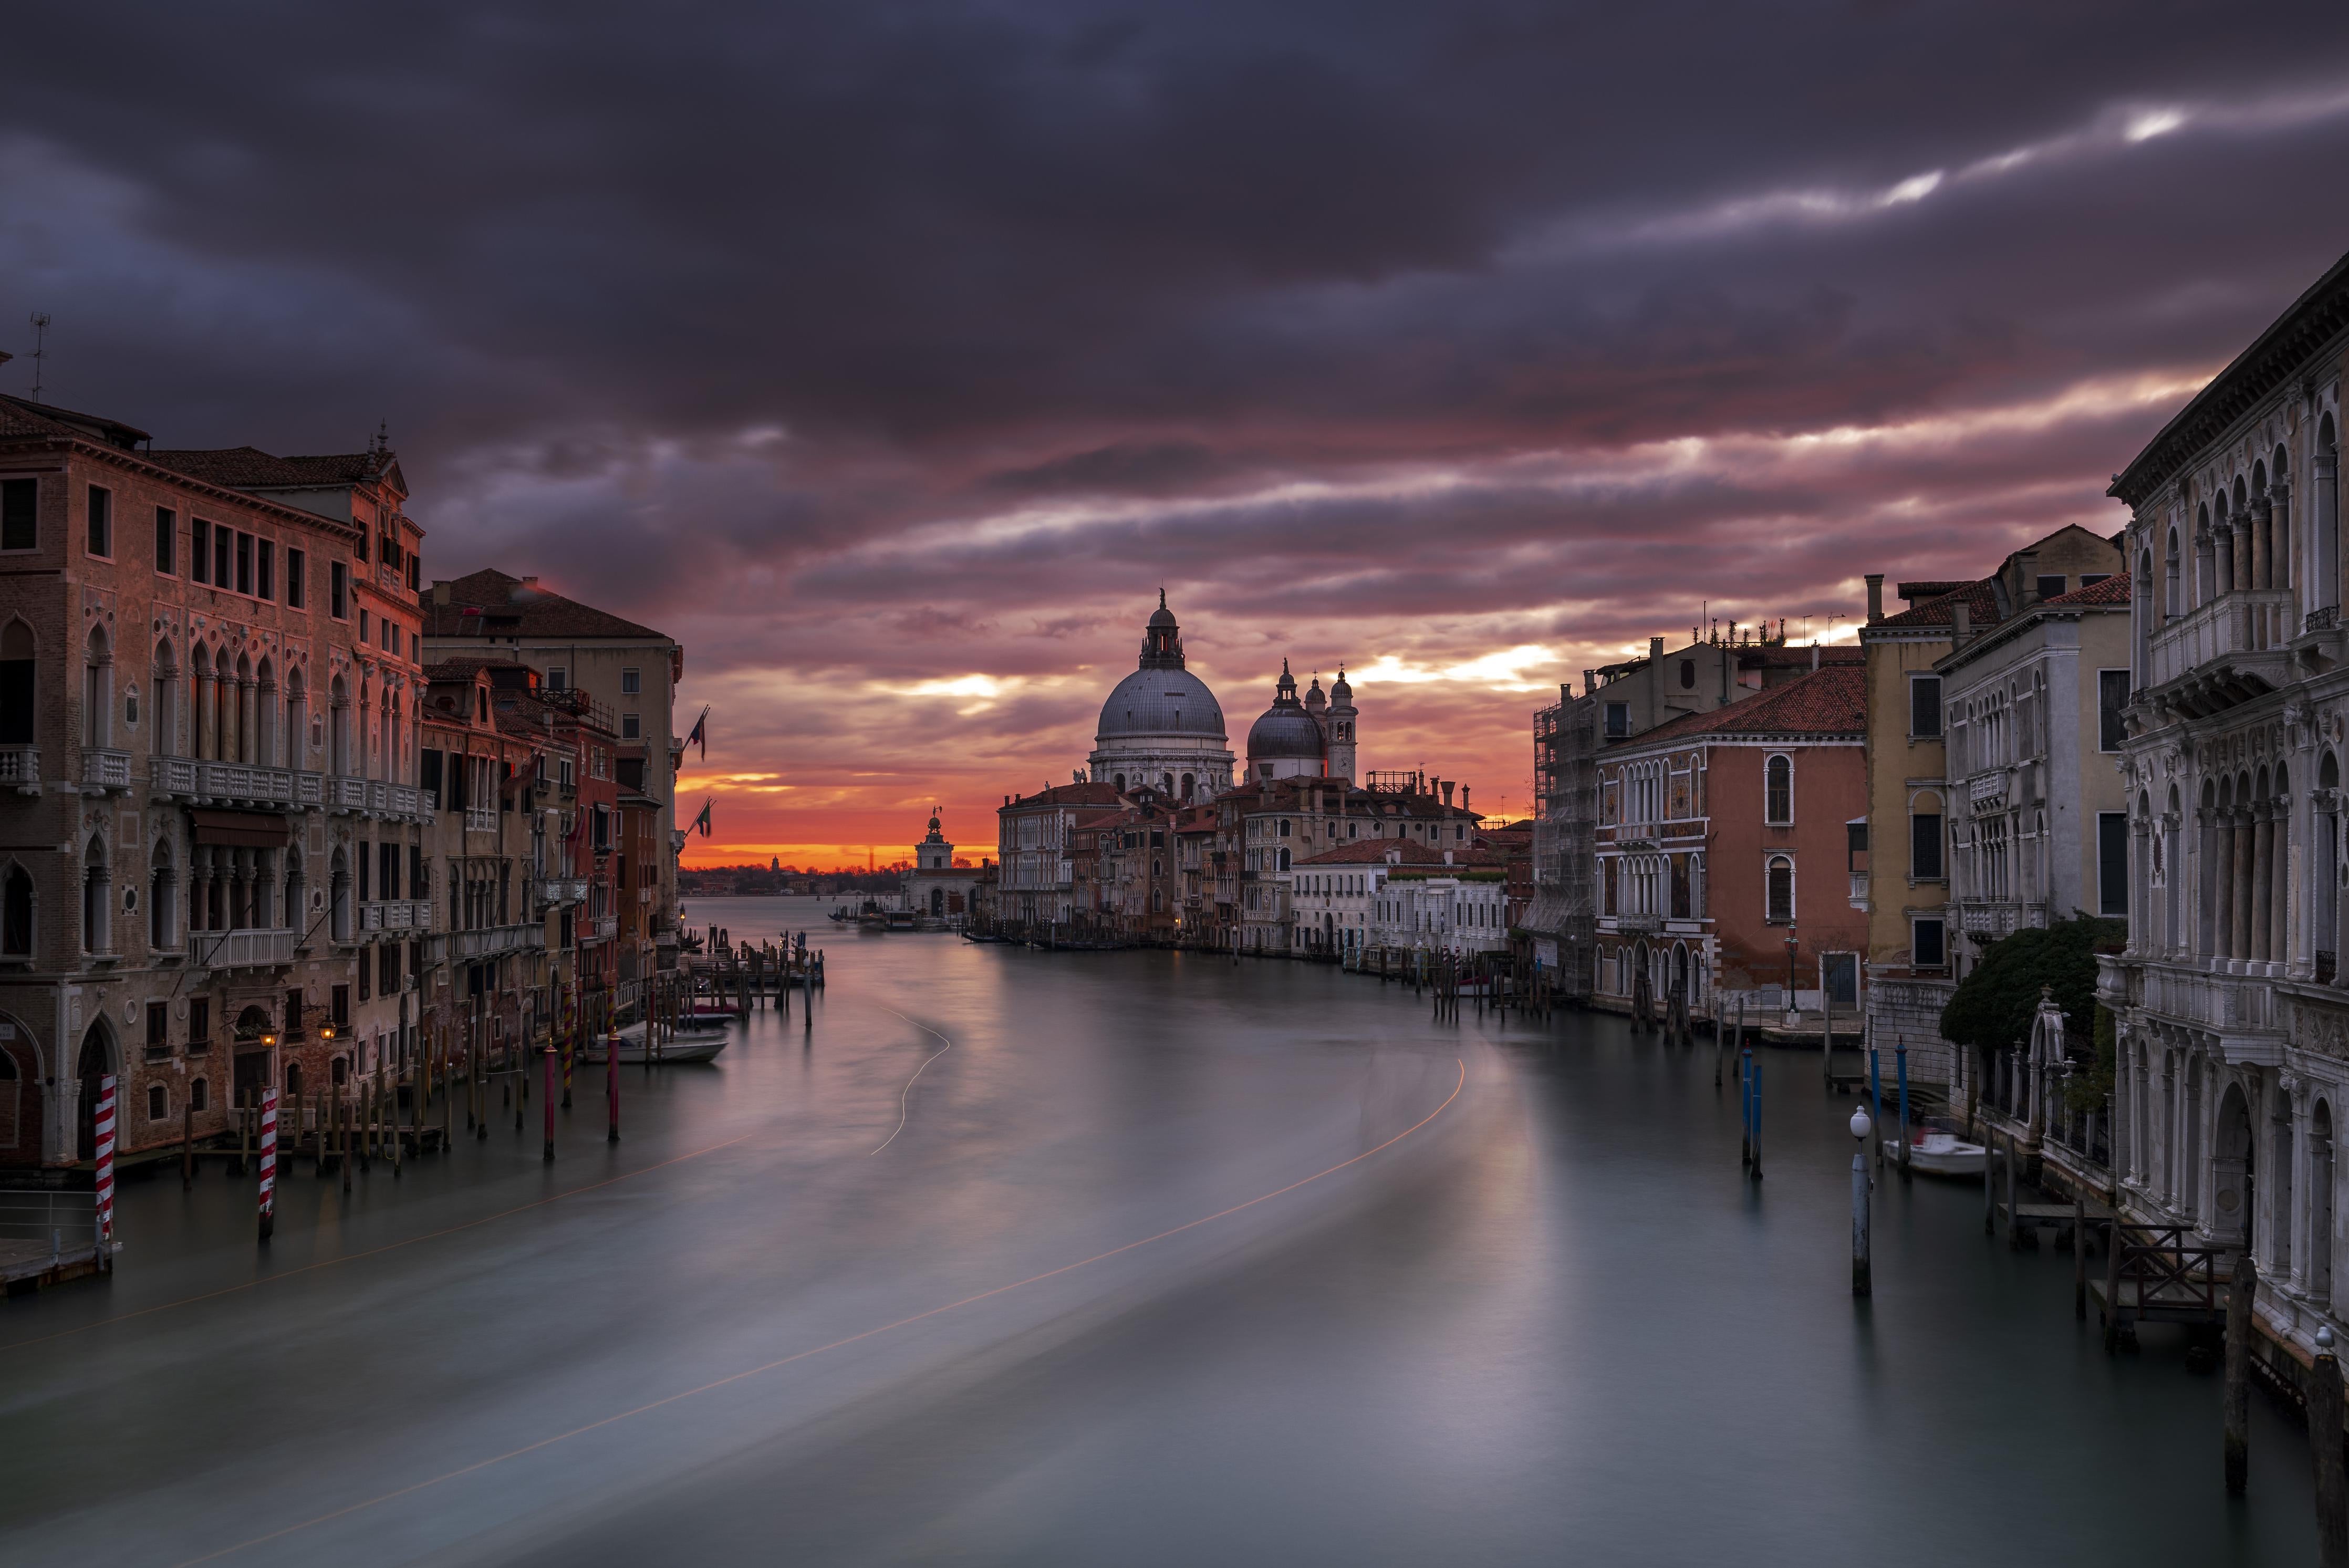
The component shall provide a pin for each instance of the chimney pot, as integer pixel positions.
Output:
(1655, 648)
(1447, 796)
(1875, 597)
(1958, 629)
(440, 591)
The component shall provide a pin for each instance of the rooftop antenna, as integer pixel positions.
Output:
(40, 349)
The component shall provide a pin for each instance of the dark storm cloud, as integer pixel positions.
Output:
(882, 342)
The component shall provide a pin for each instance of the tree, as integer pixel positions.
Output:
(1993, 1006)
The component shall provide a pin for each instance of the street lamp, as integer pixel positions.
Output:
(1861, 1283)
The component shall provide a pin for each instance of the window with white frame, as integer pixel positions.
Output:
(1778, 896)
(1778, 791)
(1929, 942)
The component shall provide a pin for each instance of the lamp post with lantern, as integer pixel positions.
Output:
(1861, 1283)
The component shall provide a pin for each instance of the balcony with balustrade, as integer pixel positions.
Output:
(253, 949)
(562, 889)
(2241, 1013)
(481, 819)
(487, 942)
(104, 772)
(598, 929)
(394, 914)
(20, 769)
(2228, 650)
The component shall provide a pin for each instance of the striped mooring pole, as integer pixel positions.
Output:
(106, 1170)
(268, 1161)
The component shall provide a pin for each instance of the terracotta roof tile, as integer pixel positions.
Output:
(1373, 851)
(2112, 590)
(250, 468)
(1834, 701)
(1980, 600)
(1095, 794)
(503, 606)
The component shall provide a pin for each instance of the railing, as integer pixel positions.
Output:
(1858, 888)
(105, 769)
(445, 947)
(64, 1220)
(309, 789)
(562, 889)
(1639, 924)
(2217, 1001)
(1984, 918)
(241, 950)
(20, 769)
(599, 927)
(171, 775)
(236, 781)
(345, 794)
(395, 915)
(1987, 786)
(2249, 620)
(481, 819)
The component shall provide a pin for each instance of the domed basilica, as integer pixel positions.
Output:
(1163, 728)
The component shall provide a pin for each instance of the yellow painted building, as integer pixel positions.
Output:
(1901, 853)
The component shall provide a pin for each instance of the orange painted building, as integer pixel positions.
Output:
(1726, 841)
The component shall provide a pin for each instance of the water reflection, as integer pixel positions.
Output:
(1555, 1322)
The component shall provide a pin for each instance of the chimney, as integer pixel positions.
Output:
(2026, 568)
(1875, 597)
(1958, 629)
(1464, 798)
(530, 582)
(440, 593)
(1655, 648)
(1815, 658)
(1447, 797)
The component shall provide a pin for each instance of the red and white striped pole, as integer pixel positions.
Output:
(268, 1161)
(106, 1169)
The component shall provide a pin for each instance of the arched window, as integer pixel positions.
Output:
(293, 1078)
(98, 690)
(200, 1095)
(1778, 791)
(17, 913)
(162, 898)
(158, 1103)
(97, 888)
(165, 730)
(264, 715)
(296, 721)
(1780, 898)
(297, 919)
(338, 735)
(2325, 515)
(17, 690)
(2170, 608)
(339, 891)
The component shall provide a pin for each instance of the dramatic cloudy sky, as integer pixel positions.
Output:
(893, 356)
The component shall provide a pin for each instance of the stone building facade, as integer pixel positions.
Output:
(208, 691)
(2232, 1026)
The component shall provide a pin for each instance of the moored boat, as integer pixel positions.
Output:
(695, 1040)
(1939, 1154)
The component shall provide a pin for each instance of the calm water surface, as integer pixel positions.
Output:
(1004, 1259)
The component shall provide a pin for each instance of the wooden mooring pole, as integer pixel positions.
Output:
(2325, 1442)
(2237, 1405)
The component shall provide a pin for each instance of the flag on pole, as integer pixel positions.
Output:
(702, 822)
(700, 735)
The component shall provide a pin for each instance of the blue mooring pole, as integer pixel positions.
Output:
(1754, 1099)
(1901, 1065)
(1876, 1097)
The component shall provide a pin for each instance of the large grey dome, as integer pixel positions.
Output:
(1161, 702)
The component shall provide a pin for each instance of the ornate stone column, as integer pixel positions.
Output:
(2262, 850)
(2294, 1090)
(2279, 540)
(2263, 548)
(2222, 883)
(2238, 540)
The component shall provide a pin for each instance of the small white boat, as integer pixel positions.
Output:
(1939, 1154)
(689, 1043)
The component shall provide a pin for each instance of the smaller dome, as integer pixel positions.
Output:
(1162, 616)
(1314, 700)
(1339, 690)
(1284, 733)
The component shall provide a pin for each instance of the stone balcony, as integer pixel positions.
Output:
(1987, 788)
(562, 889)
(2240, 1010)
(1639, 925)
(2219, 654)
(20, 769)
(257, 949)
(105, 772)
(488, 941)
(394, 914)
(599, 927)
(481, 819)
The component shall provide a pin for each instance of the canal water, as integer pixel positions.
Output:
(1012, 1257)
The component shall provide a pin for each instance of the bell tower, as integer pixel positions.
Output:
(1341, 723)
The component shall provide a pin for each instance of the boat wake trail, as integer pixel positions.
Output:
(907, 1094)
